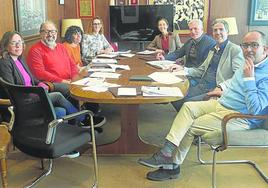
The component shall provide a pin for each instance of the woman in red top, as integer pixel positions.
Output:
(165, 42)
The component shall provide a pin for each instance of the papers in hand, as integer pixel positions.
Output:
(161, 91)
(103, 60)
(146, 52)
(104, 75)
(163, 64)
(126, 91)
(165, 77)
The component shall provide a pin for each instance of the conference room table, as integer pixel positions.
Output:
(129, 141)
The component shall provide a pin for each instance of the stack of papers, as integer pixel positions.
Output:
(162, 64)
(146, 52)
(165, 77)
(161, 91)
(103, 60)
(105, 75)
(107, 55)
(89, 81)
(126, 91)
(107, 68)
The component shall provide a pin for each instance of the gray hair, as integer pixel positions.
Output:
(198, 21)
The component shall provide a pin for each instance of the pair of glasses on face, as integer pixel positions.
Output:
(252, 45)
(52, 32)
(17, 43)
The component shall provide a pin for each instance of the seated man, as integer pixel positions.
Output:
(247, 94)
(49, 61)
(217, 69)
(195, 49)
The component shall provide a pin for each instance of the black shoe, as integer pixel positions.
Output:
(93, 107)
(97, 120)
(163, 174)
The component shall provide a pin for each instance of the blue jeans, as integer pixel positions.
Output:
(62, 105)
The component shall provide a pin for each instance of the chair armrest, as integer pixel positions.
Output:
(74, 115)
(5, 102)
(234, 116)
(53, 124)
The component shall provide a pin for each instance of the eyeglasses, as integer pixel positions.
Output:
(53, 32)
(16, 43)
(252, 45)
(96, 23)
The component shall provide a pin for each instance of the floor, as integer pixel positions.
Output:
(124, 171)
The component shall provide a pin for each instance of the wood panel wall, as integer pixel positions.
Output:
(218, 8)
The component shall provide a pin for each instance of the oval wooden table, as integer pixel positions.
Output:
(129, 141)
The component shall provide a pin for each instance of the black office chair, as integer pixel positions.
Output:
(221, 140)
(38, 133)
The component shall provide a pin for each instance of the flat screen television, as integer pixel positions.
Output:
(138, 23)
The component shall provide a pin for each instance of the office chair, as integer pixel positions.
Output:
(222, 140)
(38, 133)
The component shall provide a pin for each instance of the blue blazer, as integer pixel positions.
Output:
(202, 49)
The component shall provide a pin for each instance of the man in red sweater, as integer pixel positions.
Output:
(50, 61)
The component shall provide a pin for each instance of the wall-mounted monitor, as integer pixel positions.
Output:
(138, 23)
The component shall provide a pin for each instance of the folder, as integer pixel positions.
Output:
(143, 78)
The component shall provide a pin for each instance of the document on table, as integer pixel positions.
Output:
(146, 52)
(179, 73)
(116, 66)
(148, 91)
(89, 81)
(97, 89)
(103, 60)
(165, 77)
(126, 91)
(163, 64)
(107, 55)
(101, 70)
(127, 55)
(105, 75)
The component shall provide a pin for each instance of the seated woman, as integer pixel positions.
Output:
(14, 70)
(72, 41)
(95, 42)
(166, 42)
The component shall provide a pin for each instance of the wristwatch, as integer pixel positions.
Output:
(219, 86)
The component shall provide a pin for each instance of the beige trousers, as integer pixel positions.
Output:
(198, 118)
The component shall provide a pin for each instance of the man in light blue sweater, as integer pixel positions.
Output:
(247, 93)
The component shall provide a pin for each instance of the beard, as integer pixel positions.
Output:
(50, 42)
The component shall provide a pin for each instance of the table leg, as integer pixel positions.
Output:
(129, 141)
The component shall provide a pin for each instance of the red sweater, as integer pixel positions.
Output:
(52, 65)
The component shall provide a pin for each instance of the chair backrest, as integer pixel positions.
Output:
(33, 111)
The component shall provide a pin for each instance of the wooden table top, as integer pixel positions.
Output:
(137, 67)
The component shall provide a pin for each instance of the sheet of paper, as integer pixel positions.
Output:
(146, 52)
(107, 55)
(97, 89)
(126, 91)
(103, 60)
(88, 81)
(165, 77)
(101, 70)
(116, 66)
(163, 64)
(161, 91)
(179, 73)
(105, 75)
(127, 55)
(121, 52)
